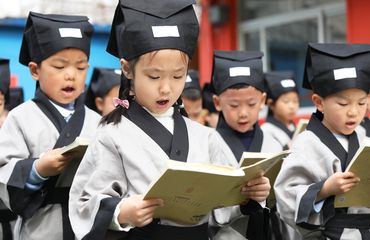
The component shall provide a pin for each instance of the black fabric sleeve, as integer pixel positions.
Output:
(102, 221)
(306, 207)
(23, 201)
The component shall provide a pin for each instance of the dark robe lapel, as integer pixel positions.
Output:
(257, 141)
(315, 125)
(232, 140)
(273, 121)
(67, 131)
(176, 146)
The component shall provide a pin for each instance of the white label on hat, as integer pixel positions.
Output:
(117, 71)
(188, 79)
(239, 71)
(343, 73)
(287, 83)
(165, 31)
(70, 32)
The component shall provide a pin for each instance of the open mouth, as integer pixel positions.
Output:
(162, 102)
(68, 90)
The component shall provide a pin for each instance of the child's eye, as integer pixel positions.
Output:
(178, 77)
(252, 104)
(59, 67)
(81, 68)
(362, 103)
(233, 105)
(343, 104)
(153, 77)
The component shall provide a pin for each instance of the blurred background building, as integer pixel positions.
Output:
(279, 28)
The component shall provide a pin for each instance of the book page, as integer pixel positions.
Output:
(359, 195)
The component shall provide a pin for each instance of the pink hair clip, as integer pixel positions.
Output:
(123, 103)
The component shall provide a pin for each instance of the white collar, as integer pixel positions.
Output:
(168, 113)
(66, 113)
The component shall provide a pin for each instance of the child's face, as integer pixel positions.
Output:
(286, 107)
(105, 105)
(62, 75)
(194, 109)
(159, 79)
(240, 107)
(343, 111)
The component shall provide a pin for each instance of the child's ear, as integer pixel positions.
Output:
(270, 103)
(263, 100)
(99, 103)
(318, 101)
(216, 102)
(34, 70)
(126, 70)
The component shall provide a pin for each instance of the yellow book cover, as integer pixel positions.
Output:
(77, 147)
(253, 157)
(191, 190)
(301, 126)
(359, 195)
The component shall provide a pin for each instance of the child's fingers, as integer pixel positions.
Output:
(257, 180)
(155, 202)
(259, 187)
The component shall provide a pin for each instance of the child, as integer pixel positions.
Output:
(34, 177)
(154, 44)
(283, 104)
(16, 98)
(103, 88)
(192, 97)
(239, 96)
(207, 99)
(4, 84)
(7, 217)
(312, 174)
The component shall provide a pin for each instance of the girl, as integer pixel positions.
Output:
(145, 130)
(283, 104)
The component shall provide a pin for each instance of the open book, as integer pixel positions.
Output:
(301, 126)
(191, 190)
(77, 147)
(359, 195)
(249, 158)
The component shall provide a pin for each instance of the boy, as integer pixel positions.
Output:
(7, 217)
(312, 174)
(192, 97)
(283, 104)
(104, 86)
(239, 96)
(35, 180)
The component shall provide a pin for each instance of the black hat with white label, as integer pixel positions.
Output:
(142, 26)
(237, 67)
(4, 78)
(331, 68)
(279, 82)
(192, 80)
(102, 81)
(46, 34)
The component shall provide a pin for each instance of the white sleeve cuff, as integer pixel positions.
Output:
(263, 204)
(318, 206)
(115, 225)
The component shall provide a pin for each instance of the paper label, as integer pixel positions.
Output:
(70, 32)
(239, 71)
(343, 73)
(165, 31)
